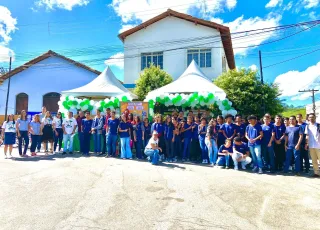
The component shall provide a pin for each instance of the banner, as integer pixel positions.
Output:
(136, 108)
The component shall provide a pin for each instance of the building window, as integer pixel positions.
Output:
(50, 101)
(201, 56)
(151, 58)
(21, 102)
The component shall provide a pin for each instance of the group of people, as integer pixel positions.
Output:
(268, 145)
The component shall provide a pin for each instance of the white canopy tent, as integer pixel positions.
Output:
(105, 85)
(192, 80)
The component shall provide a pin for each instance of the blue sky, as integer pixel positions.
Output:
(86, 31)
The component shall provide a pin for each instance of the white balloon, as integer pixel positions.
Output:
(59, 103)
(106, 100)
(91, 102)
(111, 108)
(71, 98)
(112, 98)
(78, 107)
(162, 96)
(84, 108)
(62, 98)
(72, 107)
(230, 103)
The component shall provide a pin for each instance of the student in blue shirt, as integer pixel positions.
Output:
(169, 138)
(225, 153)
(241, 153)
(147, 131)
(86, 125)
(304, 155)
(177, 144)
(294, 136)
(228, 129)
(240, 128)
(279, 133)
(202, 131)
(138, 134)
(158, 126)
(254, 135)
(194, 145)
(267, 144)
(221, 138)
(112, 134)
(187, 135)
(124, 132)
(22, 127)
(211, 141)
(36, 132)
(97, 126)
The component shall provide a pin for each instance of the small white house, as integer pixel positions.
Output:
(172, 40)
(39, 82)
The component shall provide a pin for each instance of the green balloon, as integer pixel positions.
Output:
(67, 107)
(210, 95)
(158, 99)
(82, 104)
(90, 107)
(201, 98)
(124, 99)
(116, 101)
(227, 107)
(65, 104)
(195, 95)
(151, 106)
(67, 98)
(70, 103)
(206, 100)
(75, 103)
(225, 102)
(151, 102)
(166, 99)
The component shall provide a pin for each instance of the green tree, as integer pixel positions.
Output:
(150, 79)
(243, 87)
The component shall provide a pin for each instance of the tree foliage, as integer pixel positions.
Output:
(247, 93)
(150, 79)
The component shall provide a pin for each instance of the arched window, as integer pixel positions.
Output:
(50, 101)
(21, 102)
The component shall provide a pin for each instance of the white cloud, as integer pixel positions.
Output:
(127, 27)
(274, 3)
(231, 4)
(291, 82)
(311, 3)
(312, 15)
(288, 6)
(116, 60)
(62, 4)
(253, 67)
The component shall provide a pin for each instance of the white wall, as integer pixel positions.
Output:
(40, 79)
(174, 62)
(309, 109)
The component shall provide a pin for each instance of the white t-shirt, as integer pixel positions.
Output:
(9, 127)
(313, 135)
(69, 124)
(46, 121)
(57, 123)
(152, 141)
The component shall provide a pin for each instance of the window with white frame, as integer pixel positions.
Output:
(155, 58)
(201, 56)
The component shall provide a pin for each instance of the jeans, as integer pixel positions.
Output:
(137, 145)
(304, 156)
(39, 143)
(81, 141)
(97, 141)
(223, 160)
(204, 149)
(34, 142)
(112, 144)
(125, 147)
(255, 152)
(25, 137)
(169, 149)
(86, 143)
(104, 141)
(68, 138)
(213, 150)
(296, 154)
(153, 154)
(244, 162)
(268, 156)
(186, 148)
(58, 139)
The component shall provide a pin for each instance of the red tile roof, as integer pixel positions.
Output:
(224, 31)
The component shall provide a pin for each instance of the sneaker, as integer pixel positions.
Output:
(227, 167)
(64, 153)
(236, 168)
(260, 171)
(204, 161)
(255, 169)
(70, 153)
(244, 167)
(6, 157)
(290, 168)
(188, 160)
(175, 160)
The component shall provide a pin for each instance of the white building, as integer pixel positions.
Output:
(309, 109)
(39, 82)
(172, 40)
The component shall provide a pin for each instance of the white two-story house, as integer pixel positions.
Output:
(172, 40)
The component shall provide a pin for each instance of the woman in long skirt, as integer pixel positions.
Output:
(47, 131)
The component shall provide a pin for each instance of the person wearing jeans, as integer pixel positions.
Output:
(41, 116)
(304, 155)
(96, 131)
(279, 133)
(57, 131)
(169, 138)
(211, 141)
(312, 132)
(112, 134)
(240, 154)
(85, 129)
(124, 132)
(22, 127)
(267, 144)
(80, 134)
(224, 154)
(138, 134)
(187, 134)
(152, 149)
(294, 136)
(202, 130)
(254, 134)
(36, 132)
(69, 126)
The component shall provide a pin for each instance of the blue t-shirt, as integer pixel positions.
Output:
(293, 134)
(243, 148)
(188, 133)
(279, 131)
(202, 132)
(157, 127)
(222, 147)
(228, 129)
(195, 131)
(138, 128)
(123, 126)
(267, 133)
(254, 132)
(168, 130)
(221, 138)
(303, 127)
(240, 129)
(147, 131)
(86, 125)
(113, 126)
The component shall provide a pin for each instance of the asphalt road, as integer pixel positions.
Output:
(97, 193)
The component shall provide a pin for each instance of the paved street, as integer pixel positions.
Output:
(98, 193)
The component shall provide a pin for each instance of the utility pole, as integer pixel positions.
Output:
(8, 90)
(261, 76)
(313, 97)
